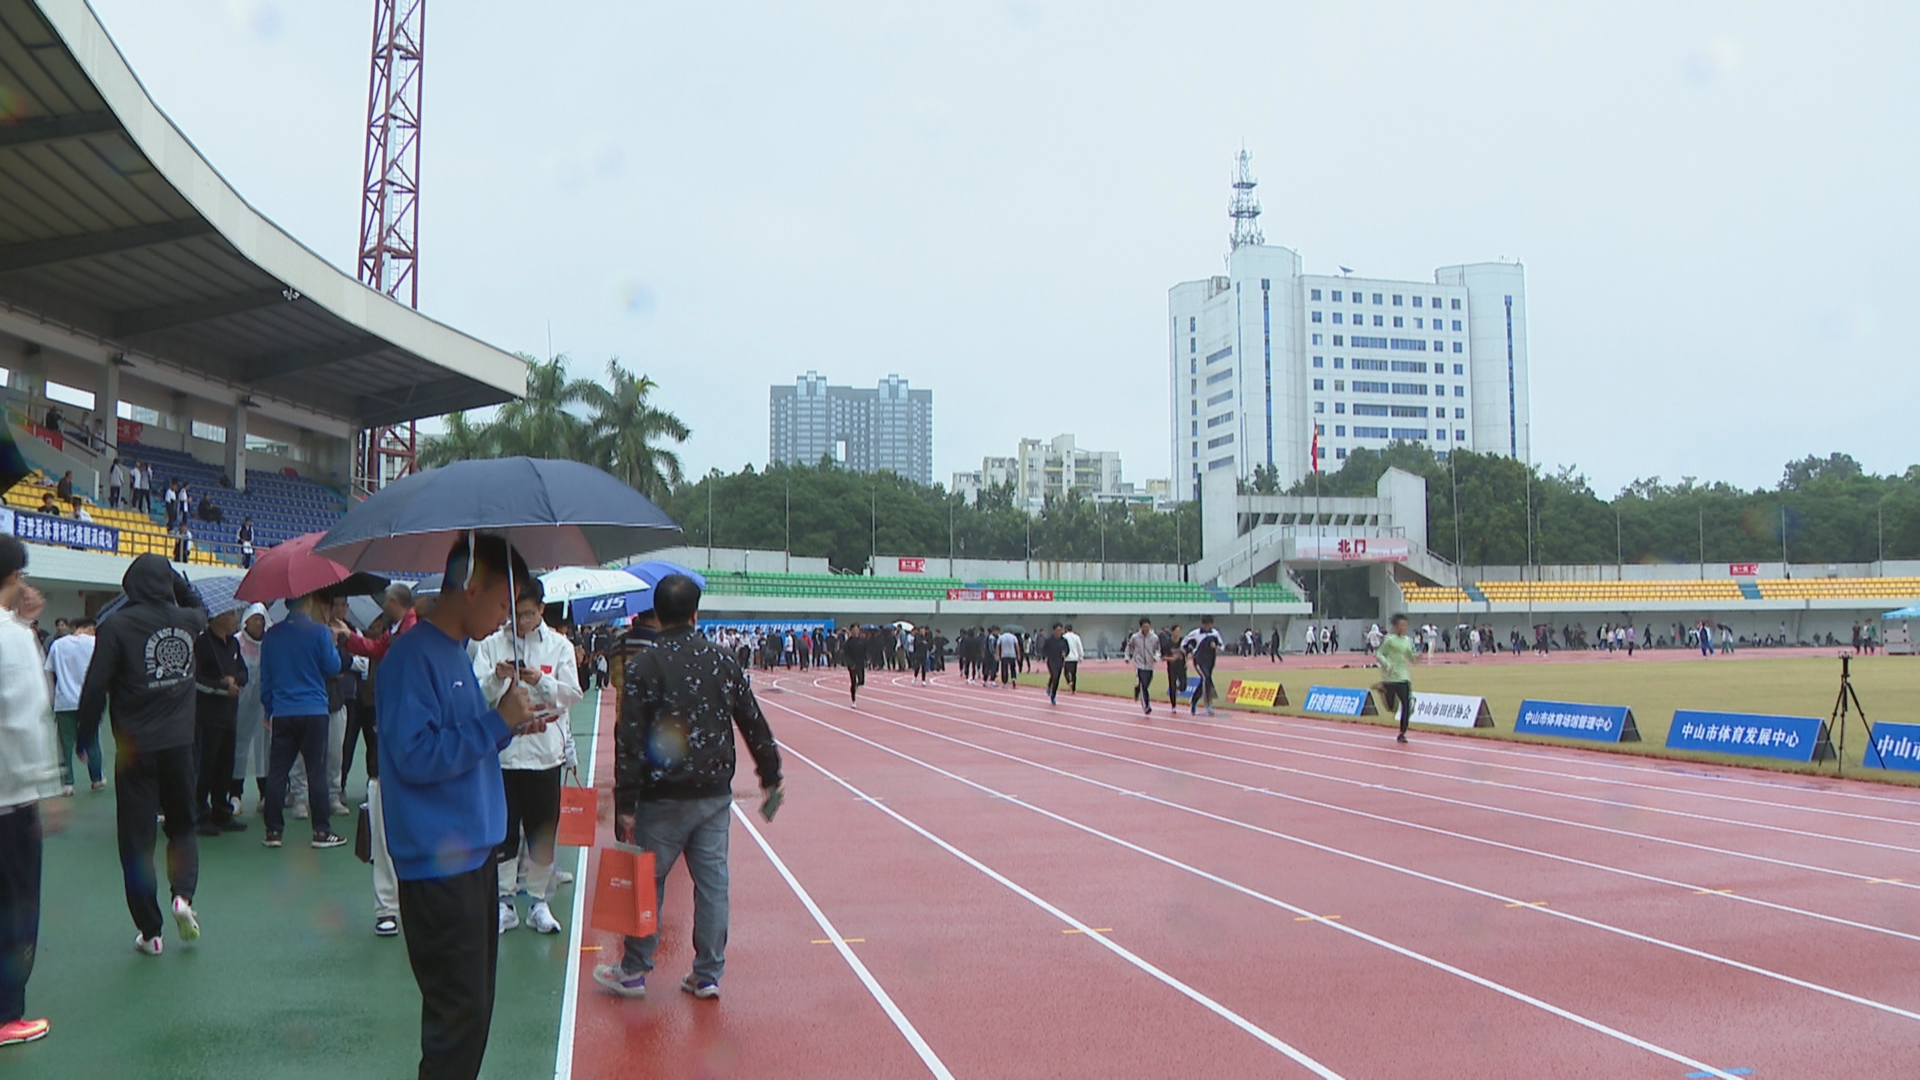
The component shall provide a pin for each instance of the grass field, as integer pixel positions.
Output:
(1889, 688)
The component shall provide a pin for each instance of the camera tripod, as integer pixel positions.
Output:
(1837, 725)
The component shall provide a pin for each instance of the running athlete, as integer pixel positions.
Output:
(1143, 648)
(1176, 665)
(1076, 652)
(1203, 644)
(855, 654)
(1395, 656)
(1053, 650)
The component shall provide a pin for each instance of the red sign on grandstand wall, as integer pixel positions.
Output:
(1352, 549)
(1044, 596)
(913, 566)
(129, 431)
(1743, 569)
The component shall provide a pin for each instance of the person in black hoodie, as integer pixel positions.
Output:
(143, 663)
(219, 673)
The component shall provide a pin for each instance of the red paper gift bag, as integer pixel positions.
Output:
(623, 893)
(579, 813)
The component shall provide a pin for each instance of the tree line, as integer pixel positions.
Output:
(1823, 509)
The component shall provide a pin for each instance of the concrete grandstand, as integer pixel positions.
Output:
(163, 319)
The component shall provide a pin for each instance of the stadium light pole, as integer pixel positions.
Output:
(1702, 511)
(788, 553)
(1619, 549)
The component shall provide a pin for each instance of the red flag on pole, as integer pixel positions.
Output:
(1314, 454)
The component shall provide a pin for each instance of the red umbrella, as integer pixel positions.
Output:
(291, 569)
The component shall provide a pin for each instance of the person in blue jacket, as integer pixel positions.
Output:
(297, 658)
(445, 802)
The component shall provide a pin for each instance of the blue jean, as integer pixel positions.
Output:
(68, 722)
(697, 829)
(303, 737)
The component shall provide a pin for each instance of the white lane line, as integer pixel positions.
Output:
(570, 995)
(1286, 731)
(1187, 727)
(1479, 980)
(1544, 752)
(1674, 946)
(1083, 928)
(907, 1030)
(1337, 808)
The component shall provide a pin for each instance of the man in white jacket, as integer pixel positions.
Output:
(29, 772)
(531, 764)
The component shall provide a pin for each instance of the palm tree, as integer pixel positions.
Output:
(625, 430)
(539, 424)
(462, 441)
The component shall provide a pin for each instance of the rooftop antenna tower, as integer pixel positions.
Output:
(390, 204)
(1245, 208)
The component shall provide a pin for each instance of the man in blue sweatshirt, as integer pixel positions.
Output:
(297, 657)
(445, 802)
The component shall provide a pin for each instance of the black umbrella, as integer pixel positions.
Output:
(13, 464)
(555, 513)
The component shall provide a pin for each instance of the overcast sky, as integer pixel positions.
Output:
(1715, 202)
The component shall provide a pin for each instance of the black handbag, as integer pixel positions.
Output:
(363, 836)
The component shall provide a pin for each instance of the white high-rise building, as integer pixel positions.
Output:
(1264, 352)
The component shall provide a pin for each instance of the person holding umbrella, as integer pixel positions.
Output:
(445, 801)
(298, 657)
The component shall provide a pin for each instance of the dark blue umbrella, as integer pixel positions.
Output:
(215, 593)
(651, 571)
(13, 464)
(555, 513)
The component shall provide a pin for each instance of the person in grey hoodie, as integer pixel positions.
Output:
(143, 663)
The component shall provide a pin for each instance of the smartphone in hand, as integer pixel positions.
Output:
(770, 805)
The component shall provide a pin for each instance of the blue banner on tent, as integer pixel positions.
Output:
(1340, 701)
(1894, 746)
(1571, 720)
(1790, 738)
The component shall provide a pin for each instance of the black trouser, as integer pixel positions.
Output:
(213, 764)
(453, 945)
(1009, 667)
(1176, 682)
(359, 722)
(1205, 688)
(145, 783)
(1055, 669)
(19, 906)
(1073, 676)
(1144, 691)
(856, 678)
(533, 806)
(1402, 693)
(303, 737)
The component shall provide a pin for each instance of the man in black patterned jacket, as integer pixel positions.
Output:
(673, 778)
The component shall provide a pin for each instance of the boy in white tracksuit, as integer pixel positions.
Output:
(531, 764)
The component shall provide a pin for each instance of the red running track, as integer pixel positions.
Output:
(974, 883)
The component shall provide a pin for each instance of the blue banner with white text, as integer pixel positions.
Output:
(1339, 701)
(1894, 746)
(1789, 738)
(1571, 720)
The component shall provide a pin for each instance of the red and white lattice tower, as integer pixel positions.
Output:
(390, 203)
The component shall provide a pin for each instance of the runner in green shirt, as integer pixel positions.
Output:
(1395, 656)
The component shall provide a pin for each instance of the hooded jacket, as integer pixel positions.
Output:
(143, 661)
(679, 705)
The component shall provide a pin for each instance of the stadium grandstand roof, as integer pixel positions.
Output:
(120, 242)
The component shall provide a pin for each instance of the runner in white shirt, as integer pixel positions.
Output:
(1076, 652)
(531, 764)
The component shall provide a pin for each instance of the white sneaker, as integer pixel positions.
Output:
(509, 918)
(300, 813)
(562, 877)
(185, 919)
(542, 920)
(146, 945)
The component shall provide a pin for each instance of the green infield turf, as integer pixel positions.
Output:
(1889, 688)
(287, 980)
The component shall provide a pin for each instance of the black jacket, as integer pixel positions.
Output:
(144, 660)
(679, 703)
(1053, 650)
(214, 660)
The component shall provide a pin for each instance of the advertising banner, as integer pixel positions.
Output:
(1044, 596)
(1790, 738)
(913, 566)
(1352, 549)
(1743, 569)
(64, 532)
(1601, 723)
(1247, 692)
(1894, 746)
(1451, 710)
(1340, 701)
